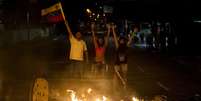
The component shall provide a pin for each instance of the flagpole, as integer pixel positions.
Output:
(64, 18)
(62, 13)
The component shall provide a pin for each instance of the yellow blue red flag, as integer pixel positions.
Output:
(51, 9)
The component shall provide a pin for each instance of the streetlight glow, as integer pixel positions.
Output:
(88, 10)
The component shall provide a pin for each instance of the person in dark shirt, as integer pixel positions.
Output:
(121, 59)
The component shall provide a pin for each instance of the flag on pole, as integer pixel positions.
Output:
(51, 9)
(60, 15)
(55, 17)
(53, 14)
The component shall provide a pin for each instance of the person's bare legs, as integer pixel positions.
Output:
(124, 68)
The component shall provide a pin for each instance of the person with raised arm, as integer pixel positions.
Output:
(78, 52)
(121, 59)
(100, 44)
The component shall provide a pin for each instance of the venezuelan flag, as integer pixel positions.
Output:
(52, 14)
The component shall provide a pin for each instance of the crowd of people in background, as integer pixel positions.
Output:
(156, 36)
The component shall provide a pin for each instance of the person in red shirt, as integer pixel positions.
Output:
(100, 47)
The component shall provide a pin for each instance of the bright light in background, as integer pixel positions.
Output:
(93, 13)
(98, 15)
(198, 21)
(107, 9)
(104, 14)
(88, 10)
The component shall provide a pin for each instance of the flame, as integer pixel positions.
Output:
(83, 95)
(104, 98)
(89, 90)
(135, 99)
(97, 99)
(73, 95)
(86, 97)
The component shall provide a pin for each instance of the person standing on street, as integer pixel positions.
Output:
(121, 60)
(78, 51)
(100, 44)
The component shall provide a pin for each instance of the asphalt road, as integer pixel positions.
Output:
(150, 73)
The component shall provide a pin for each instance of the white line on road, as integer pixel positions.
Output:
(162, 86)
(140, 68)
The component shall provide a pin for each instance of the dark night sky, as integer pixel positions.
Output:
(179, 11)
(140, 7)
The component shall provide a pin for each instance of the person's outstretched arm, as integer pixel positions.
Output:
(93, 35)
(107, 36)
(70, 34)
(115, 36)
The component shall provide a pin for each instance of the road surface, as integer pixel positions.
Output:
(150, 73)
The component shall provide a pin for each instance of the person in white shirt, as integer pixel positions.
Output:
(78, 53)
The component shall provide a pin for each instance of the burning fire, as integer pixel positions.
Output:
(104, 98)
(98, 99)
(74, 97)
(89, 96)
(135, 99)
(89, 90)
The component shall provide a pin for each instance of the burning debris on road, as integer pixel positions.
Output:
(91, 95)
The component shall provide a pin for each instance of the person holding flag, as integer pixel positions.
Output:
(77, 52)
(78, 46)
